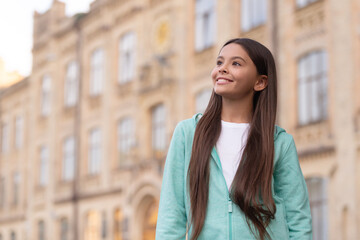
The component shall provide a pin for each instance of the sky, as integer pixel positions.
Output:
(16, 26)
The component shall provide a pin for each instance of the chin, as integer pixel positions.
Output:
(223, 93)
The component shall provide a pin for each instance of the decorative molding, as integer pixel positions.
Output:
(316, 151)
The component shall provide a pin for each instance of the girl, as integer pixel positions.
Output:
(231, 173)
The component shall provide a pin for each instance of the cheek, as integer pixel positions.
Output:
(213, 74)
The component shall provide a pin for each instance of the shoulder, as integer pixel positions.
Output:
(281, 137)
(186, 128)
(189, 124)
(283, 143)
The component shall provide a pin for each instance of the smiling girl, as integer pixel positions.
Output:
(232, 173)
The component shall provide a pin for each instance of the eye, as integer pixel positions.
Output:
(218, 62)
(236, 64)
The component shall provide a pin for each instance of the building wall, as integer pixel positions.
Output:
(170, 71)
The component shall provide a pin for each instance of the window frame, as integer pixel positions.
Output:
(250, 17)
(44, 166)
(5, 141)
(71, 87)
(95, 151)
(126, 138)
(319, 206)
(19, 131)
(68, 161)
(312, 83)
(158, 127)
(127, 57)
(46, 95)
(205, 31)
(300, 4)
(97, 71)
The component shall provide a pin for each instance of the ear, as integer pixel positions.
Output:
(261, 83)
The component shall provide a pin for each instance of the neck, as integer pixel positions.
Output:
(236, 111)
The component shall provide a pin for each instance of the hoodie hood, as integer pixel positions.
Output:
(277, 130)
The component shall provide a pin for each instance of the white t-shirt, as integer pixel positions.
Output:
(230, 147)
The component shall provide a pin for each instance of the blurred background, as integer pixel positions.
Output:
(91, 91)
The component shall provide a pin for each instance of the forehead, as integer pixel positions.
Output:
(234, 49)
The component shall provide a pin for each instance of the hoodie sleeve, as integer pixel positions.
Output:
(291, 187)
(171, 223)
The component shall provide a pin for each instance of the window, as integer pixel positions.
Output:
(68, 166)
(318, 203)
(13, 235)
(41, 230)
(64, 229)
(2, 192)
(44, 166)
(92, 229)
(150, 218)
(126, 139)
(127, 57)
(158, 128)
(118, 217)
(45, 96)
(103, 226)
(205, 25)
(303, 3)
(71, 84)
(16, 188)
(95, 151)
(97, 72)
(202, 100)
(312, 90)
(4, 138)
(19, 132)
(253, 14)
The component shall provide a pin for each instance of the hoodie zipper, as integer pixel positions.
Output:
(229, 203)
(230, 218)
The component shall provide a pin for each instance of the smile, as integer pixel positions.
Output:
(223, 80)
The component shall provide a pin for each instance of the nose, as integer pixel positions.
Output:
(223, 69)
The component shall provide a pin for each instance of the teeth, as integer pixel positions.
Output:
(222, 81)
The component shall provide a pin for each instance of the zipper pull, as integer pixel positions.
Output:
(229, 206)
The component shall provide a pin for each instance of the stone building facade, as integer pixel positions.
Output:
(84, 137)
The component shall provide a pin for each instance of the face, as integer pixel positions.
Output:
(235, 75)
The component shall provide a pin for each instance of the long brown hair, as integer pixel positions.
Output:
(251, 187)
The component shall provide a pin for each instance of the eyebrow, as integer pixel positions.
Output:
(232, 58)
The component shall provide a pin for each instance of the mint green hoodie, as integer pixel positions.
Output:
(224, 219)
